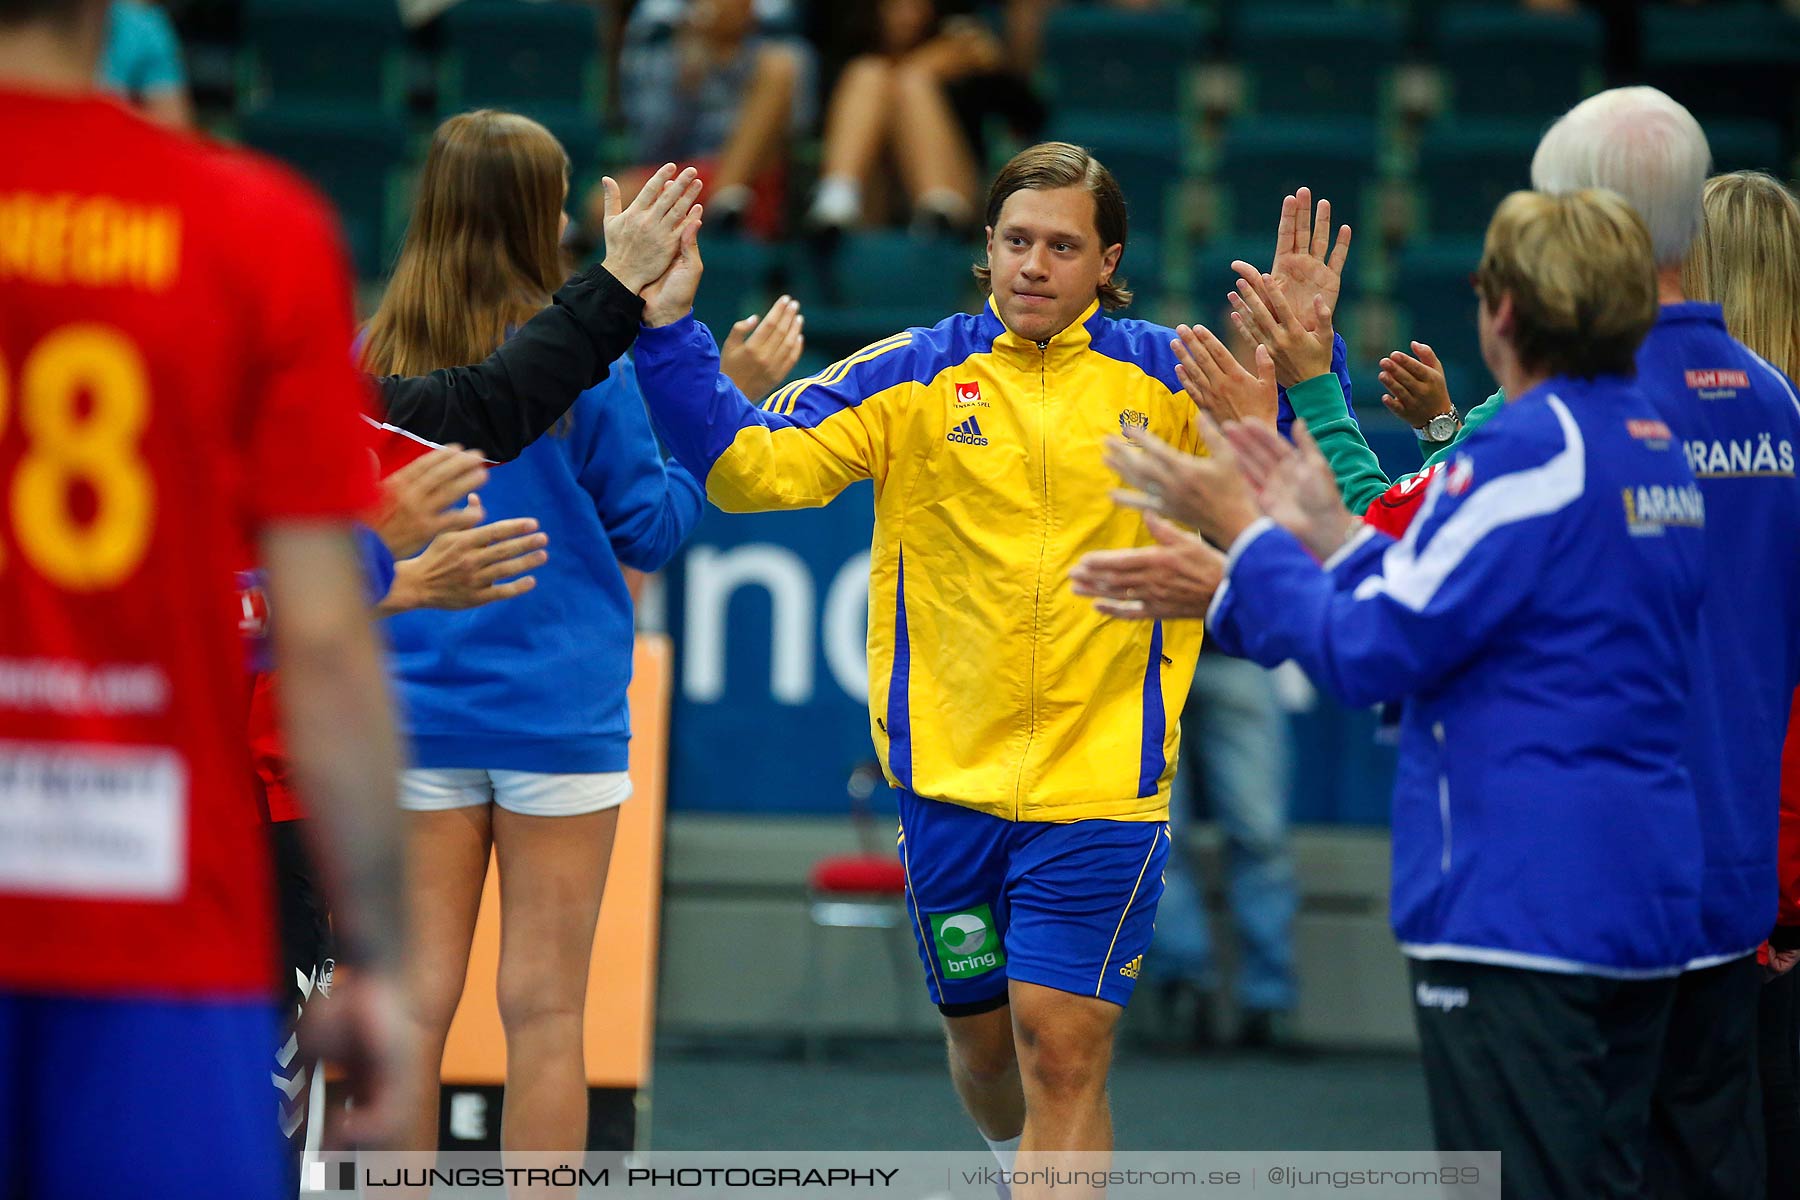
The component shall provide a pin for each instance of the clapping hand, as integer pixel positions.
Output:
(1208, 494)
(1172, 579)
(1216, 381)
(1416, 389)
(1260, 308)
(1294, 485)
(416, 499)
(758, 354)
(643, 238)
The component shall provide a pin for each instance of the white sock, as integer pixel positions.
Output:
(838, 201)
(1006, 1151)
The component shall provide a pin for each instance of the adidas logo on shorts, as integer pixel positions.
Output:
(1130, 970)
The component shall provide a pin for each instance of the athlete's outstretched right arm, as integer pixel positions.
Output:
(815, 436)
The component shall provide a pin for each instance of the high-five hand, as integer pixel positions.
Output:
(1216, 381)
(641, 240)
(671, 297)
(1306, 261)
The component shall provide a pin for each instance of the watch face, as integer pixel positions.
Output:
(1441, 428)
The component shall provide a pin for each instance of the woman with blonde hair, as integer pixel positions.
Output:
(519, 724)
(1747, 260)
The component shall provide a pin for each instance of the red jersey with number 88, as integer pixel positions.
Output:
(173, 317)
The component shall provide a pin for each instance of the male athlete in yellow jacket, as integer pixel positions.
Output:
(1031, 739)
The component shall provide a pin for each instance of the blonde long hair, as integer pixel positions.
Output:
(482, 251)
(1747, 259)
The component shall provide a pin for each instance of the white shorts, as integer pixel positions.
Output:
(527, 793)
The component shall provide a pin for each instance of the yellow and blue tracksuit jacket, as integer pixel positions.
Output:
(991, 684)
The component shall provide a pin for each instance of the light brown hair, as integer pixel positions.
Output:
(481, 253)
(1050, 165)
(1747, 259)
(1582, 277)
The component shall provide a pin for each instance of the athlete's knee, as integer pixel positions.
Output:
(535, 999)
(1062, 1057)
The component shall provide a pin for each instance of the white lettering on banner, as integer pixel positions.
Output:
(80, 689)
(94, 821)
(714, 577)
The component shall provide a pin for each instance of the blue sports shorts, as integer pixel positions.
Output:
(1068, 906)
(131, 1097)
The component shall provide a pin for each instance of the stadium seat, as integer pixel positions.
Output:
(539, 59)
(1736, 60)
(1466, 167)
(739, 281)
(1508, 62)
(355, 157)
(349, 52)
(1264, 158)
(1431, 287)
(1123, 61)
(878, 282)
(1142, 152)
(1747, 145)
(1315, 59)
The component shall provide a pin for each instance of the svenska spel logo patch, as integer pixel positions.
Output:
(968, 945)
(968, 393)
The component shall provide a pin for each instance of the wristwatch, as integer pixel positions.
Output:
(1440, 428)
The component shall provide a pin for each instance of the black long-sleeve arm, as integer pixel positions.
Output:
(503, 404)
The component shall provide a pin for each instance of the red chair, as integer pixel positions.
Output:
(866, 890)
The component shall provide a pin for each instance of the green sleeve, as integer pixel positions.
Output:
(1471, 422)
(1319, 401)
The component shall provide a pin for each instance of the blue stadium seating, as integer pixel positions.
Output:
(1264, 158)
(542, 60)
(1438, 304)
(1142, 152)
(1725, 60)
(348, 52)
(1120, 61)
(1313, 59)
(1466, 167)
(355, 158)
(1509, 62)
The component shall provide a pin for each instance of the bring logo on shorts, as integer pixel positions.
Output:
(967, 943)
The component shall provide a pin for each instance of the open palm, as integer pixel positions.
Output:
(1306, 261)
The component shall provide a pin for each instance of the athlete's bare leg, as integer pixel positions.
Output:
(1065, 1046)
(447, 860)
(985, 1071)
(552, 878)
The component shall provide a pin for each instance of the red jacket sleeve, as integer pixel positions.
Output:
(1789, 855)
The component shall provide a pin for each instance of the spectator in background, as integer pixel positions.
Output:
(1747, 259)
(141, 62)
(1237, 746)
(712, 82)
(520, 725)
(918, 95)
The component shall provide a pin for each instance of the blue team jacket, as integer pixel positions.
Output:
(1538, 618)
(1739, 421)
(538, 682)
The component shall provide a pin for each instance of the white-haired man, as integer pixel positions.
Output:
(1738, 419)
